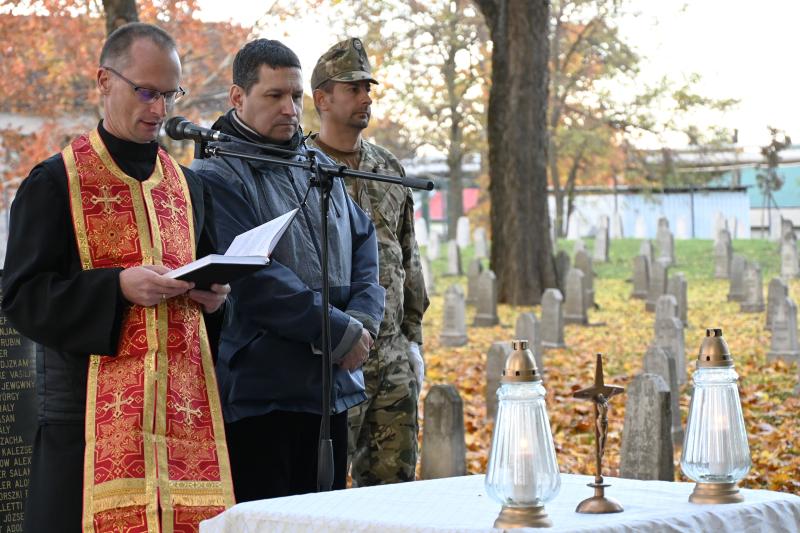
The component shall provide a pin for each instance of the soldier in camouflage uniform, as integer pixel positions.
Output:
(383, 430)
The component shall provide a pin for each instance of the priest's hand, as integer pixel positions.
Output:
(145, 285)
(211, 300)
(359, 353)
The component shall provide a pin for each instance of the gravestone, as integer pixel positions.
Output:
(775, 226)
(658, 283)
(733, 227)
(601, 242)
(552, 319)
(679, 288)
(580, 246)
(666, 307)
(754, 290)
(617, 231)
(576, 306)
(646, 249)
(787, 227)
(784, 332)
(640, 228)
(776, 292)
(480, 243)
(444, 450)
(563, 264)
(789, 257)
(682, 230)
(529, 328)
(641, 277)
(486, 314)
(720, 223)
(495, 362)
(18, 422)
(736, 291)
(666, 242)
(421, 231)
(658, 361)
(434, 246)
(646, 440)
(427, 274)
(473, 277)
(462, 232)
(584, 263)
(454, 323)
(670, 337)
(453, 259)
(723, 252)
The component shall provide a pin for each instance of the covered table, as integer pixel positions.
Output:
(461, 504)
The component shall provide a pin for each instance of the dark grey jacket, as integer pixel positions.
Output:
(269, 352)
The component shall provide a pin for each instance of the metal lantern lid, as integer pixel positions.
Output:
(714, 351)
(520, 365)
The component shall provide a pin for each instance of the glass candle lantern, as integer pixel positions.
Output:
(522, 473)
(715, 451)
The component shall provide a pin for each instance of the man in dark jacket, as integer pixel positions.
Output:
(269, 366)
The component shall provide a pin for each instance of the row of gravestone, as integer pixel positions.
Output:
(431, 240)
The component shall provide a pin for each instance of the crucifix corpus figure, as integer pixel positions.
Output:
(599, 394)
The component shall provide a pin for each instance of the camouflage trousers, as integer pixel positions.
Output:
(382, 443)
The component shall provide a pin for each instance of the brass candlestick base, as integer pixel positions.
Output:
(706, 493)
(599, 503)
(513, 517)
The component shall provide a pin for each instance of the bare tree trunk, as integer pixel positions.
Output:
(521, 248)
(119, 13)
(455, 152)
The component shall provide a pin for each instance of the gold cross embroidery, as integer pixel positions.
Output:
(188, 410)
(106, 199)
(175, 210)
(117, 404)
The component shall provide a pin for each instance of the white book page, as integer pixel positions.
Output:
(262, 239)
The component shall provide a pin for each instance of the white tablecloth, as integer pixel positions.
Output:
(461, 504)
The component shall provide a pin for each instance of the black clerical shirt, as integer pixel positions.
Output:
(47, 296)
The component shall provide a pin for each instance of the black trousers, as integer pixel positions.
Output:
(55, 493)
(275, 454)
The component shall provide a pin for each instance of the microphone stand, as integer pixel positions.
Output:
(322, 177)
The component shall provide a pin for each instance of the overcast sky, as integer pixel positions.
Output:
(743, 49)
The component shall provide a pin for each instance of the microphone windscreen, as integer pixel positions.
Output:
(174, 129)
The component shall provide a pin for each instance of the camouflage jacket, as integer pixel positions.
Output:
(391, 208)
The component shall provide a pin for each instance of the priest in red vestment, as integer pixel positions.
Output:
(130, 436)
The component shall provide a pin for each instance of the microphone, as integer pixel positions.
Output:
(179, 128)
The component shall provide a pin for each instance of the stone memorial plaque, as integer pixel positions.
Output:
(563, 264)
(18, 423)
(473, 277)
(678, 287)
(552, 319)
(641, 277)
(486, 314)
(658, 283)
(784, 332)
(754, 290)
(454, 325)
(495, 362)
(723, 252)
(584, 263)
(790, 267)
(736, 292)
(481, 243)
(453, 259)
(462, 232)
(575, 312)
(646, 249)
(646, 441)
(777, 291)
(434, 248)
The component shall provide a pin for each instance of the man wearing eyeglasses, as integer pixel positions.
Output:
(130, 428)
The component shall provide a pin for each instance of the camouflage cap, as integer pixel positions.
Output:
(344, 61)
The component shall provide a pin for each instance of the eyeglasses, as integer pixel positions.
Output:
(150, 96)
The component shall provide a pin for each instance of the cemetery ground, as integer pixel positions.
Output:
(771, 407)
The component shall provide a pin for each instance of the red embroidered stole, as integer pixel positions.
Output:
(156, 458)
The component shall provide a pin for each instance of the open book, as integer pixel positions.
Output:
(248, 252)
